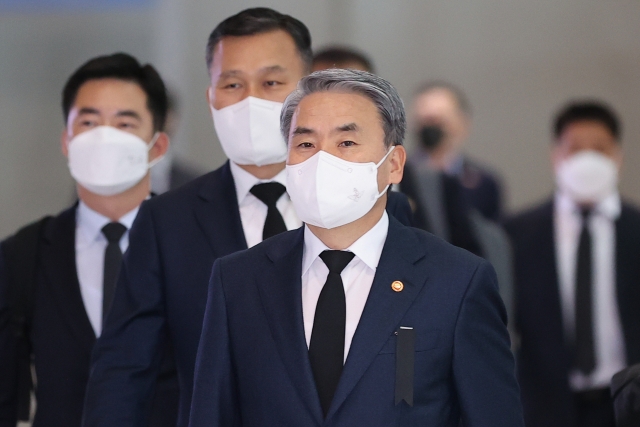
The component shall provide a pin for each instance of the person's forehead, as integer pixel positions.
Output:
(110, 93)
(256, 50)
(436, 101)
(337, 104)
(583, 129)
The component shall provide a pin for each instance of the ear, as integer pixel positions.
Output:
(397, 159)
(209, 95)
(617, 155)
(64, 142)
(556, 154)
(160, 148)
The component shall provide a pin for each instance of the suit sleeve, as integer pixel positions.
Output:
(126, 358)
(215, 402)
(8, 357)
(483, 365)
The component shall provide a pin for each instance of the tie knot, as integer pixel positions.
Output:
(585, 212)
(113, 231)
(268, 192)
(336, 261)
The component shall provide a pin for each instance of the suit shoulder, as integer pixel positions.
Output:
(487, 173)
(629, 221)
(187, 193)
(274, 247)
(50, 223)
(442, 250)
(530, 217)
(631, 209)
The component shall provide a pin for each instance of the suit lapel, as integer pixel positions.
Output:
(549, 283)
(218, 215)
(58, 258)
(384, 308)
(627, 256)
(281, 292)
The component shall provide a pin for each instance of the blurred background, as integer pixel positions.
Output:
(517, 61)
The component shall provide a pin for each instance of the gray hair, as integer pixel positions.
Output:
(379, 91)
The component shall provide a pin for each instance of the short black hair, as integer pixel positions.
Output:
(457, 93)
(587, 111)
(261, 20)
(125, 67)
(338, 55)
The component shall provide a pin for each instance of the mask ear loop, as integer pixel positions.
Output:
(150, 146)
(385, 157)
(377, 166)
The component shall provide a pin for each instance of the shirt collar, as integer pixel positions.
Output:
(609, 207)
(244, 181)
(367, 248)
(90, 222)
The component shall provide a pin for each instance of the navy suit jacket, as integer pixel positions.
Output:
(61, 338)
(253, 367)
(544, 357)
(174, 241)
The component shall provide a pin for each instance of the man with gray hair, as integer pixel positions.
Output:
(353, 319)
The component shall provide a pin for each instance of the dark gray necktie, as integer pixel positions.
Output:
(326, 348)
(585, 358)
(112, 259)
(269, 193)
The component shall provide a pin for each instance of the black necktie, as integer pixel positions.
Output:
(269, 193)
(112, 259)
(585, 359)
(326, 349)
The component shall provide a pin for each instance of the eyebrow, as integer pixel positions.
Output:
(349, 127)
(303, 131)
(263, 70)
(87, 110)
(121, 113)
(128, 113)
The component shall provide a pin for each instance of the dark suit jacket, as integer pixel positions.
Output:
(481, 188)
(449, 197)
(181, 174)
(253, 368)
(544, 357)
(61, 338)
(163, 283)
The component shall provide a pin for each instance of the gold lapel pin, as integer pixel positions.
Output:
(397, 286)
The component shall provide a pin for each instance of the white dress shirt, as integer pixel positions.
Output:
(253, 212)
(90, 247)
(607, 329)
(357, 276)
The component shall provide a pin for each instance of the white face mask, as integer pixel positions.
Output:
(587, 177)
(109, 161)
(328, 191)
(249, 132)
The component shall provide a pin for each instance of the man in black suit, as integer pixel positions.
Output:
(354, 319)
(577, 277)
(114, 111)
(442, 120)
(255, 59)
